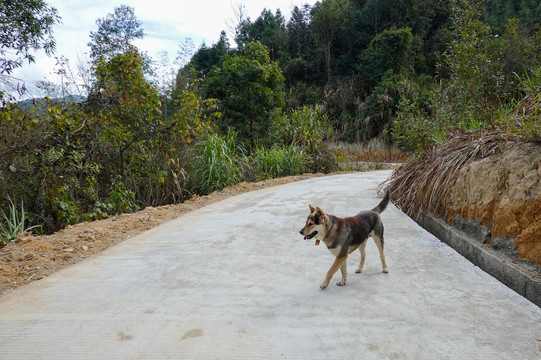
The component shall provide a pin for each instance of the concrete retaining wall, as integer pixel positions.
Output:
(510, 274)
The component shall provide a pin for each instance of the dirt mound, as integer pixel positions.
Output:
(503, 194)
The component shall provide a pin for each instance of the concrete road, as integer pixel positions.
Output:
(235, 280)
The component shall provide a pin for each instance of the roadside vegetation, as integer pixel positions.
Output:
(411, 73)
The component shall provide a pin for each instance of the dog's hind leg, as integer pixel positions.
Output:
(378, 239)
(363, 257)
(344, 271)
(338, 262)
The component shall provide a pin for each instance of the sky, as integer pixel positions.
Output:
(166, 24)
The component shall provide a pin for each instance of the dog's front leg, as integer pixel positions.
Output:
(338, 262)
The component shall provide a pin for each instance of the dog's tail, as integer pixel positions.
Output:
(383, 204)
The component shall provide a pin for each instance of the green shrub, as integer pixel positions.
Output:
(121, 199)
(414, 130)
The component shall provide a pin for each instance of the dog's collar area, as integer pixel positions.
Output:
(328, 231)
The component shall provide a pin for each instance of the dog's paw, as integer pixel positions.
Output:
(385, 271)
(341, 283)
(323, 286)
(358, 271)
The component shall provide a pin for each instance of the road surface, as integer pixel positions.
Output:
(236, 280)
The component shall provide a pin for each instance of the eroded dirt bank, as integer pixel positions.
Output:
(499, 197)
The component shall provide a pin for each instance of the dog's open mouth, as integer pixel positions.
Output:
(309, 236)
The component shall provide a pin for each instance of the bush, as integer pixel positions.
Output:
(47, 162)
(121, 199)
(414, 130)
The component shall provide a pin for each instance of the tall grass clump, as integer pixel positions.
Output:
(13, 223)
(304, 127)
(281, 161)
(215, 165)
(308, 129)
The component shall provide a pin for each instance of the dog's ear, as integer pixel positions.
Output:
(311, 209)
(322, 215)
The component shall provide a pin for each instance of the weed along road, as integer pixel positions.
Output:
(236, 280)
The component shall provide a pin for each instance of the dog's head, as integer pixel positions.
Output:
(316, 223)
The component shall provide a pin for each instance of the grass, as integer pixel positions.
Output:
(216, 165)
(525, 119)
(280, 161)
(372, 151)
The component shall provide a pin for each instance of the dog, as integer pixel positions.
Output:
(344, 235)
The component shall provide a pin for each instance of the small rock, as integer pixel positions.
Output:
(84, 247)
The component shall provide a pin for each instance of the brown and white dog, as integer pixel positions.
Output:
(344, 235)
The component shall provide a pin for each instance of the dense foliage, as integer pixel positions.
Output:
(407, 71)
(249, 88)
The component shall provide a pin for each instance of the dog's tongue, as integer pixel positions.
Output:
(317, 241)
(305, 238)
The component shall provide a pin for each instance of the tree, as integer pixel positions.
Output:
(115, 33)
(25, 26)
(390, 50)
(328, 18)
(373, 13)
(301, 48)
(476, 81)
(207, 57)
(268, 29)
(125, 103)
(249, 87)
(298, 31)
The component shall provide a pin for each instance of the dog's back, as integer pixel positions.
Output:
(366, 222)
